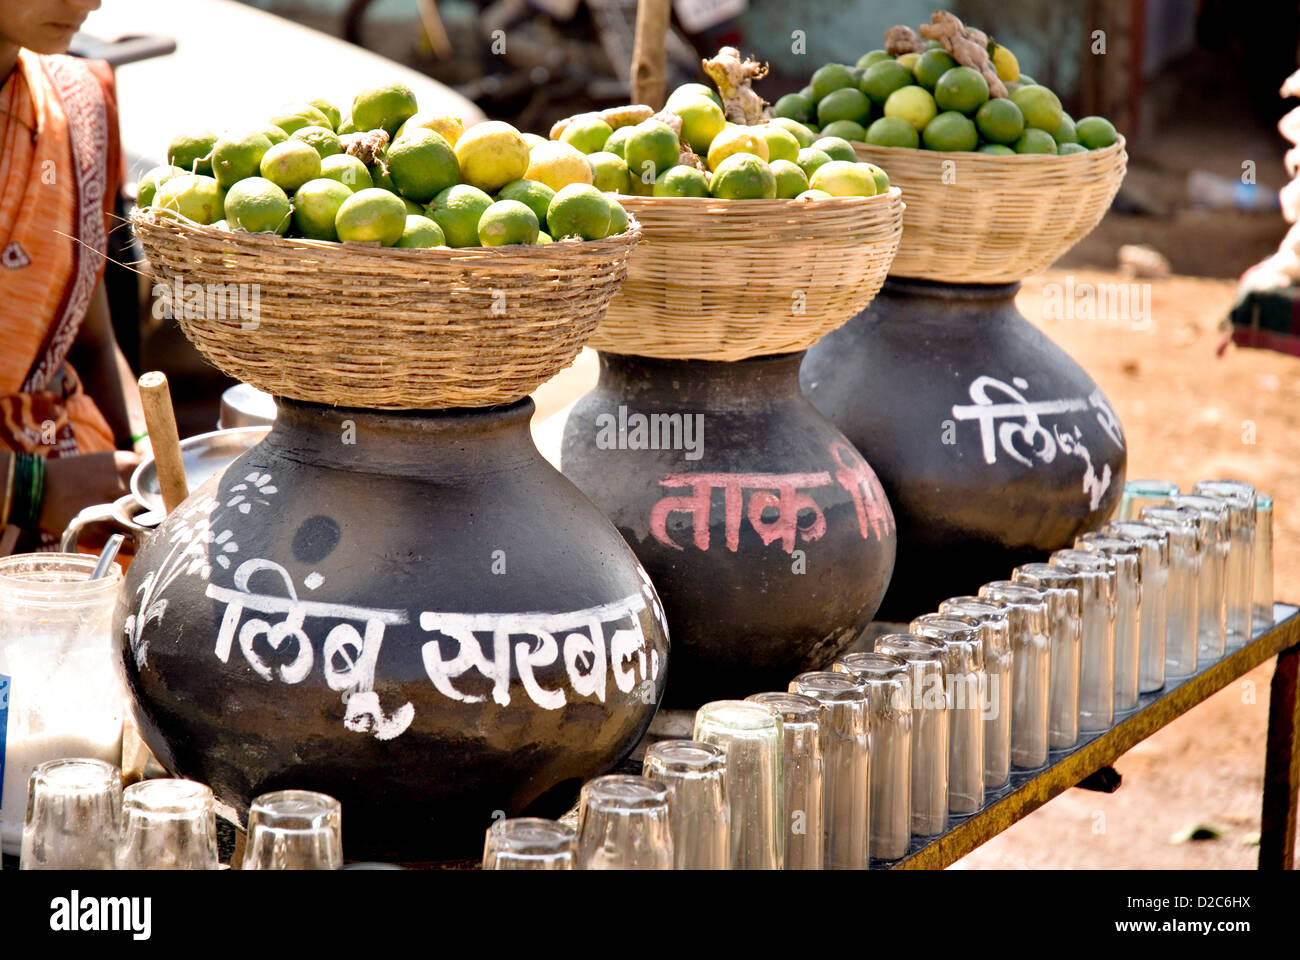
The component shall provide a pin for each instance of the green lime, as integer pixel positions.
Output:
(300, 115)
(790, 179)
(913, 104)
(1000, 121)
(587, 134)
(1064, 148)
(831, 77)
(1034, 140)
(934, 63)
(345, 125)
(814, 195)
(858, 73)
(781, 144)
(893, 132)
(650, 149)
(950, 130)
(689, 91)
(457, 210)
(386, 107)
(837, 148)
(734, 140)
(558, 164)
(421, 232)
(147, 188)
(1096, 132)
(682, 181)
(371, 215)
(961, 89)
(793, 127)
(871, 58)
(379, 175)
(933, 45)
(290, 164)
(1041, 108)
(506, 223)
(618, 141)
(236, 156)
(544, 237)
(1066, 132)
(412, 208)
(878, 174)
(322, 139)
(331, 112)
(609, 173)
(807, 94)
(883, 78)
(193, 196)
(273, 133)
(422, 164)
(347, 170)
(702, 120)
(743, 176)
(533, 194)
(997, 149)
(315, 207)
(840, 178)
(192, 152)
(794, 106)
(617, 218)
(847, 103)
(1027, 81)
(491, 154)
(810, 158)
(846, 130)
(579, 210)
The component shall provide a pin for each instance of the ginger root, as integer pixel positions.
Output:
(733, 78)
(902, 39)
(968, 46)
(368, 147)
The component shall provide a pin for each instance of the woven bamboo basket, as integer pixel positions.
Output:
(360, 325)
(731, 279)
(977, 218)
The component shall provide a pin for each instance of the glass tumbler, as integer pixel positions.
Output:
(803, 773)
(1262, 582)
(1212, 587)
(925, 659)
(1182, 602)
(963, 682)
(74, 809)
(846, 756)
(1240, 575)
(1097, 616)
(529, 843)
(889, 702)
(1153, 575)
(1144, 493)
(754, 742)
(1031, 680)
(168, 825)
(58, 665)
(1064, 629)
(294, 830)
(694, 774)
(995, 633)
(624, 824)
(1128, 612)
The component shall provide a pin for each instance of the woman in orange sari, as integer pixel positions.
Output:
(65, 388)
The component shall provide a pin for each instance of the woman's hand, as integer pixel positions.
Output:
(74, 483)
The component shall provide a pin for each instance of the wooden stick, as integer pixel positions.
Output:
(650, 54)
(156, 398)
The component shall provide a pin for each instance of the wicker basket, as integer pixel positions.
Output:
(731, 279)
(360, 325)
(991, 219)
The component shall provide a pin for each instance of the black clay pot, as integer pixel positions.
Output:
(412, 612)
(764, 530)
(994, 447)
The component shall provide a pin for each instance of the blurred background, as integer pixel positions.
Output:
(1192, 84)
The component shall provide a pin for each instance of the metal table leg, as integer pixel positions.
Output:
(1281, 766)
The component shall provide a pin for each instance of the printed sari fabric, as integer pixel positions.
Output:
(59, 175)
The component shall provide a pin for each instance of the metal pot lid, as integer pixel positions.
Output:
(204, 456)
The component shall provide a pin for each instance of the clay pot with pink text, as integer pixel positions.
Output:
(765, 531)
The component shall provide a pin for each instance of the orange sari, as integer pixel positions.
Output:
(59, 175)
